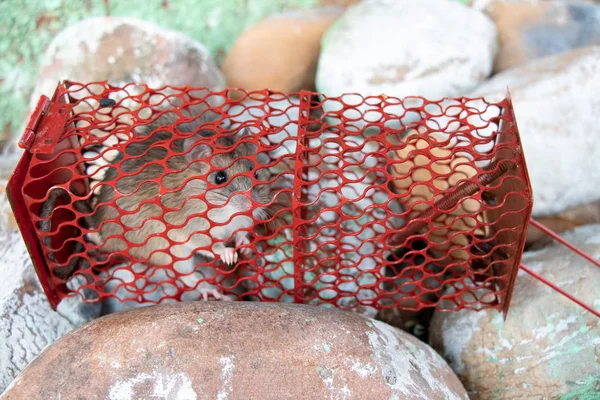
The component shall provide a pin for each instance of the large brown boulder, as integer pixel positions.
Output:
(237, 351)
(281, 52)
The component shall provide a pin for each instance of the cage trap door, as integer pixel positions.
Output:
(514, 195)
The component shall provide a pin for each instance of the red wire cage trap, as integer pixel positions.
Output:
(358, 202)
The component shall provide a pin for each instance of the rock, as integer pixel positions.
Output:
(404, 48)
(343, 3)
(564, 221)
(237, 350)
(281, 52)
(7, 219)
(556, 102)
(28, 323)
(532, 29)
(121, 49)
(548, 345)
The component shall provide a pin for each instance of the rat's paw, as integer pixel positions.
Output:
(204, 292)
(242, 241)
(228, 255)
(189, 280)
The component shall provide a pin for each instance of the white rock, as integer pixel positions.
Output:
(556, 107)
(160, 56)
(431, 48)
(547, 346)
(28, 323)
(124, 50)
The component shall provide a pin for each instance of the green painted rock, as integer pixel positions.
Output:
(547, 347)
(216, 350)
(123, 50)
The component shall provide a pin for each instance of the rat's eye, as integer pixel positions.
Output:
(221, 177)
(255, 175)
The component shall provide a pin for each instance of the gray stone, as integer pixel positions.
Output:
(123, 50)
(405, 48)
(530, 29)
(556, 107)
(27, 323)
(548, 346)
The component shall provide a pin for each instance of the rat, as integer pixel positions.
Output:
(172, 197)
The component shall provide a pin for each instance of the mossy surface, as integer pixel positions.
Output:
(28, 26)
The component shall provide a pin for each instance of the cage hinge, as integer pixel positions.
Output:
(29, 135)
(45, 126)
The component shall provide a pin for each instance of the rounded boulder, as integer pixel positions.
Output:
(547, 347)
(431, 48)
(123, 50)
(281, 52)
(556, 106)
(237, 350)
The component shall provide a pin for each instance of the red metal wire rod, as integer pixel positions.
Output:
(559, 290)
(555, 236)
(580, 252)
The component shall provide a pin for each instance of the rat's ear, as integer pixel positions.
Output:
(198, 150)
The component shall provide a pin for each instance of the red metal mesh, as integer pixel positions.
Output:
(138, 194)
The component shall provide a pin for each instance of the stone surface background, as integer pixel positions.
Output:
(554, 88)
(28, 26)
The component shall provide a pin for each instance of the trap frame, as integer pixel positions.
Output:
(381, 202)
